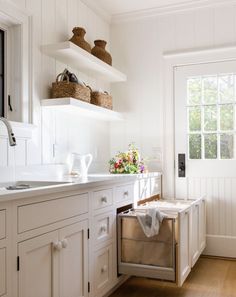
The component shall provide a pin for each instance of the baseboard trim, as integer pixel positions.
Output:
(220, 246)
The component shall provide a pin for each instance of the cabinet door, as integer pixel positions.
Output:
(184, 250)
(38, 274)
(3, 271)
(74, 260)
(103, 270)
(195, 247)
(202, 225)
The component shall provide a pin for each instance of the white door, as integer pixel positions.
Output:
(205, 146)
(74, 260)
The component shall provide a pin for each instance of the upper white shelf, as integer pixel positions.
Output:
(85, 109)
(71, 54)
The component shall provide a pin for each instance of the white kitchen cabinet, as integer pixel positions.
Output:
(202, 225)
(195, 232)
(103, 271)
(3, 268)
(39, 271)
(55, 264)
(184, 245)
(73, 260)
(103, 227)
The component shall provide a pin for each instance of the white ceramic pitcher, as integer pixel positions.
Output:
(80, 164)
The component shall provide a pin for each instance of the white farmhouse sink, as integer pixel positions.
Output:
(24, 185)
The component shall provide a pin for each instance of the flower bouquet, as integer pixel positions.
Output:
(128, 162)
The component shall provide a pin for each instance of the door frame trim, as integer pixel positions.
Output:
(172, 60)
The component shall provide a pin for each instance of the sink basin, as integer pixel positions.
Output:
(24, 185)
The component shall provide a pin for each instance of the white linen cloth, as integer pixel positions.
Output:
(150, 221)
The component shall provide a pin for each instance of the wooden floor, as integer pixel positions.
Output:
(209, 278)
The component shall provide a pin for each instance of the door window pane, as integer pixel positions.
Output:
(195, 143)
(210, 143)
(227, 146)
(210, 118)
(226, 88)
(194, 90)
(210, 89)
(227, 117)
(195, 118)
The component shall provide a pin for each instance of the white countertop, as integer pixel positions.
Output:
(71, 184)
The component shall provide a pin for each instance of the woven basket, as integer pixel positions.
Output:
(101, 99)
(61, 89)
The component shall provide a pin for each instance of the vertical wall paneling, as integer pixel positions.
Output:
(57, 134)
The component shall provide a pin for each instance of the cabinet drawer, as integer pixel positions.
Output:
(103, 227)
(36, 215)
(3, 271)
(125, 192)
(102, 199)
(103, 269)
(2, 224)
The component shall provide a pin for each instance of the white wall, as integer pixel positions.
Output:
(59, 134)
(138, 46)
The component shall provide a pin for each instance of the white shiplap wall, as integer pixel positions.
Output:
(141, 55)
(58, 134)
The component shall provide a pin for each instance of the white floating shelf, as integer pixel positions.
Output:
(83, 108)
(71, 54)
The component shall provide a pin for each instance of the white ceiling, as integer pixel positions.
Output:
(114, 7)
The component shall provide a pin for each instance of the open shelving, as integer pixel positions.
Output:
(71, 54)
(83, 108)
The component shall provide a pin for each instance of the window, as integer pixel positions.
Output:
(211, 116)
(2, 82)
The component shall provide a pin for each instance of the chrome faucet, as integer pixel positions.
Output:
(11, 136)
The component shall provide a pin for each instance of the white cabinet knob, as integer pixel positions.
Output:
(104, 269)
(57, 245)
(64, 243)
(104, 199)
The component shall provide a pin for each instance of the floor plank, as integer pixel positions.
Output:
(209, 278)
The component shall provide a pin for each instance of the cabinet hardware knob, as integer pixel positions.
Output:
(104, 199)
(64, 243)
(126, 193)
(104, 269)
(57, 245)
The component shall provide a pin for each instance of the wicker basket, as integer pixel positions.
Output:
(101, 99)
(61, 89)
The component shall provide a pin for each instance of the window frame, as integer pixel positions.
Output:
(18, 62)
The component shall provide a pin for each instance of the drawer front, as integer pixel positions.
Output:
(155, 184)
(103, 269)
(124, 193)
(2, 224)
(103, 227)
(3, 271)
(102, 199)
(40, 214)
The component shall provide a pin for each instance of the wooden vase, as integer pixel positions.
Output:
(78, 39)
(100, 52)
